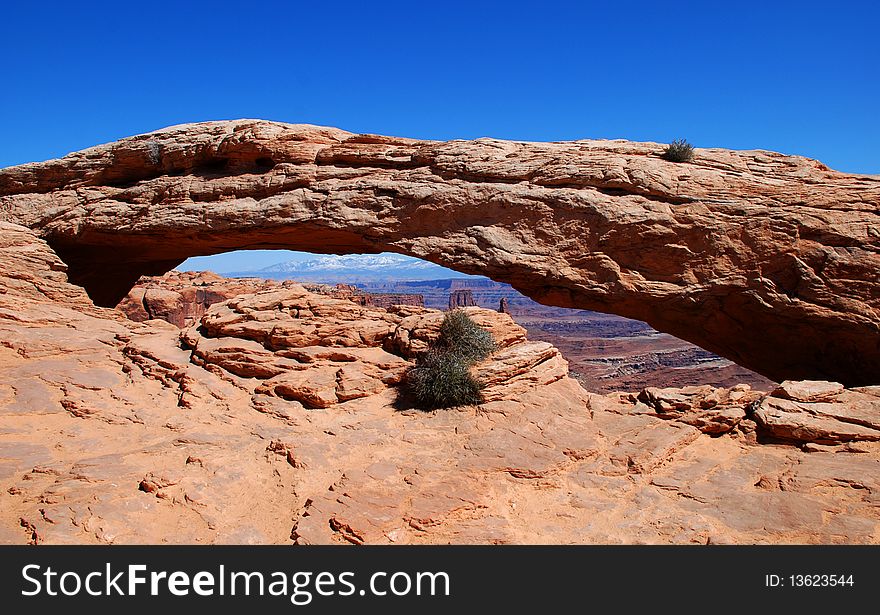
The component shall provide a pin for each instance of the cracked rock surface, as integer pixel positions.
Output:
(115, 431)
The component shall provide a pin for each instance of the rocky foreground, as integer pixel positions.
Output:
(273, 416)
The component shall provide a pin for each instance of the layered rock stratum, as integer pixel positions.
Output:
(181, 298)
(273, 414)
(771, 261)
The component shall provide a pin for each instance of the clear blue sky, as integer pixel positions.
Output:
(796, 77)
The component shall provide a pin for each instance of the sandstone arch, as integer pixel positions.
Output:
(772, 261)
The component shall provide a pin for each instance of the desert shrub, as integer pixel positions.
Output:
(461, 335)
(441, 377)
(679, 151)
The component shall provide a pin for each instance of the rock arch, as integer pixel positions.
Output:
(772, 261)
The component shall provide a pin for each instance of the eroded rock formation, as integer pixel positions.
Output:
(461, 298)
(114, 431)
(769, 260)
(271, 414)
(181, 298)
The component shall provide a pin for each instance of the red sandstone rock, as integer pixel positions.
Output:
(709, 409)
(520, 368)
(114, 431)
(390, 300)
(841, 416)
(419, 328)
(181, 298)
(808, 391)
(321, 351)
(769, 260)
(353, 293)
(461, 298)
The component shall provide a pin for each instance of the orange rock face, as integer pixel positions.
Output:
(272, 414)
(181, 298)
(275, 420)
(771, 261)
(461, 298)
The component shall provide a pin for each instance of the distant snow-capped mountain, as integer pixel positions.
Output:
(334, 262)
(359, 267)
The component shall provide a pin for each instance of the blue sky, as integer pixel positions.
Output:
(242, 261)
(795, 77)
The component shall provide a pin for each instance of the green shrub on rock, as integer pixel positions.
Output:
(461, 335)
(443, 380)
(441, 377)
(679, 151)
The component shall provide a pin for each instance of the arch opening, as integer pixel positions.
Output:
(605, 352)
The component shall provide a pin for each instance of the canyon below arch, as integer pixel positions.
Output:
(119, 431)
